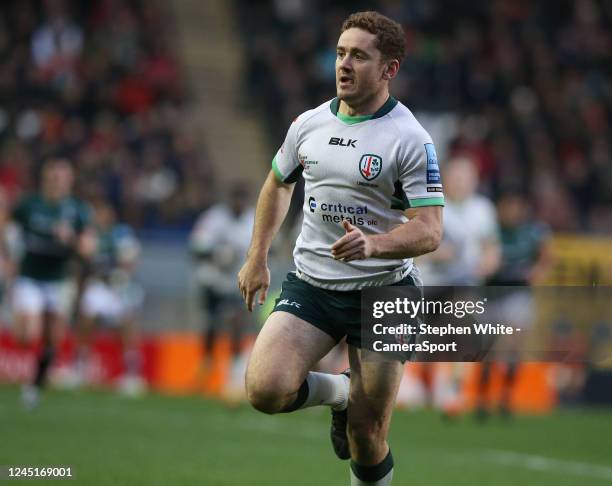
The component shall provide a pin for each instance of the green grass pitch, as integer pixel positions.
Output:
(161, 440)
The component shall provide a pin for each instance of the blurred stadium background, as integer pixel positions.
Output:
(166, 107)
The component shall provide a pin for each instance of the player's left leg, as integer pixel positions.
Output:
(54, 327)
(374, 386)
(131, 383)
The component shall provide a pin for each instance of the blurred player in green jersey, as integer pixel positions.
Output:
(111, 297)
(55, 228)
(525, 258)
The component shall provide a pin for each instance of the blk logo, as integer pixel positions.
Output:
(289, 303)
(340, 141)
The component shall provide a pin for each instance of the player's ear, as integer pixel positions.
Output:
(391, 69)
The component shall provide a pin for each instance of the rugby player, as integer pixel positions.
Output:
(468, 254)
(55, 228)
(525, 259)
(367, 165)
(219, 241)
(111, 297)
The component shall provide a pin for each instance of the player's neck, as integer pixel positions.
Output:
(367, 107)
(53, 196)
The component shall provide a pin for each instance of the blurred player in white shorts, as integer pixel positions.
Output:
(111, 297)
(219, 241)
(55, 230)
(468, 255)
(33, 297)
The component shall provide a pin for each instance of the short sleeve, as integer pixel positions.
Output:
(286, 163)
(419, 174)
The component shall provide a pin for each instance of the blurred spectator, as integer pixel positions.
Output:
(100, 82)
(529, 81)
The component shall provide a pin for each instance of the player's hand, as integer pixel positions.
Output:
(354, 245)
(64, 232)
(254, 276)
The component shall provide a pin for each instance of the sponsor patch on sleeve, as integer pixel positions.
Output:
(433, 171)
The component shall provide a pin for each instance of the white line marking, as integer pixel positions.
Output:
(546, 464)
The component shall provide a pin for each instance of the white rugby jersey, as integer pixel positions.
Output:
(366, 170)
(467, 226)
(221, 232)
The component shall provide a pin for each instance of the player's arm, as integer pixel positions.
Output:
(421, 193)
(490, 247)
(421, 234)
(490, 258)
(544, 260)
(272, 206)
(86, 243)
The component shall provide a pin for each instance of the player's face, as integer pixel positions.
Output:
(104, 216)
(512, 211)
(57, 179)
(460, 180)
(359, 66)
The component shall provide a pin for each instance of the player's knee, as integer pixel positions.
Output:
(267, 396)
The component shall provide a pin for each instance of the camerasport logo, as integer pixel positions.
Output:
(370, 166)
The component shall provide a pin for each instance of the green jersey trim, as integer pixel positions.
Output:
(277, 172)
(351, 120)
(427, 201)
(382, 111)
(291, 178)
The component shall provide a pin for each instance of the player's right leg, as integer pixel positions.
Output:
(278, 377)
(28, 305)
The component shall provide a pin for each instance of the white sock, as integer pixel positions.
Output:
(327, 389)
(386, 481)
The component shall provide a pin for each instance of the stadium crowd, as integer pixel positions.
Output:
(99, 82)
(529, 82)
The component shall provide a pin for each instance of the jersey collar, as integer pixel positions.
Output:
(382, 111)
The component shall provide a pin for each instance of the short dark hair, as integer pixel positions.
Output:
(391, 41)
